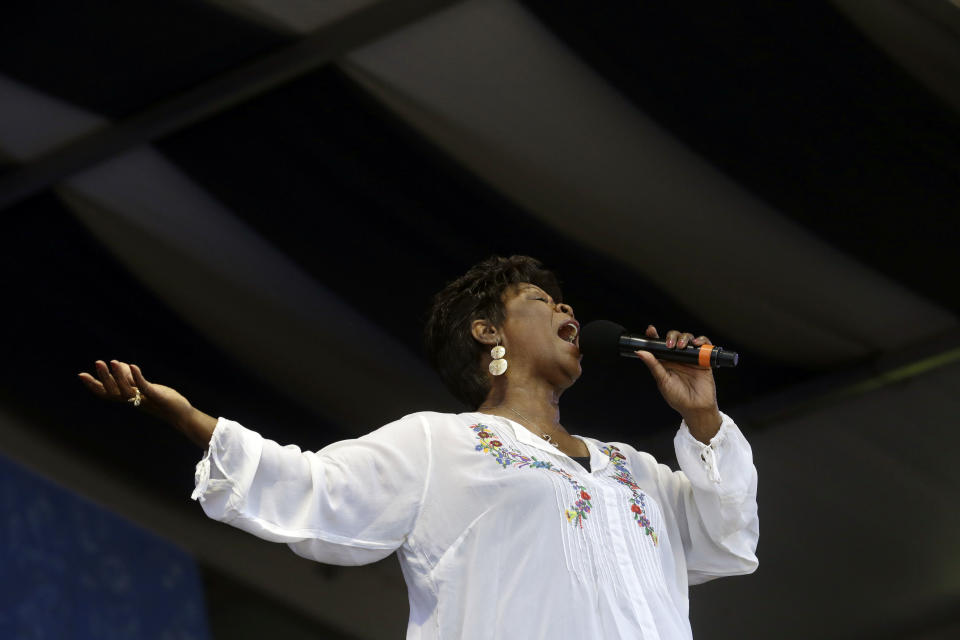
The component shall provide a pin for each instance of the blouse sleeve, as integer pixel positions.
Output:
(714, 498)
(353, 502)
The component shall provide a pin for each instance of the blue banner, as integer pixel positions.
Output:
(70, 569)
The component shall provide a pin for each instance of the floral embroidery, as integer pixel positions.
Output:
(505, 457)
(638, 501)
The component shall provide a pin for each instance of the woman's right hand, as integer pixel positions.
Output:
(120, 382)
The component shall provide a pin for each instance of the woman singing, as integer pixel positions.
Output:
(506, 525)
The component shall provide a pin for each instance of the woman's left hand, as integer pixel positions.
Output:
(688, 388)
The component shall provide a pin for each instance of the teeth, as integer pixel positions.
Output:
(573, 332)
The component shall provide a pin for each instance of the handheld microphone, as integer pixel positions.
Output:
(607, 340)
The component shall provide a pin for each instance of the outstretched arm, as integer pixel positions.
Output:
(122, 382)
(353, 502)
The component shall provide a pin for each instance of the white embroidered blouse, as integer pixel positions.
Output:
(499, 534)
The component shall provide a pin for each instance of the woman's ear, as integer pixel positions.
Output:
(484, 332)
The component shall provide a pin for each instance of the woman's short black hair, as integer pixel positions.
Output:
(477, 294)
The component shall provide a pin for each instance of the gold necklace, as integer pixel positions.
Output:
(545, 436)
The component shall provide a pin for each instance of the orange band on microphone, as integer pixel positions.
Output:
(705, 355)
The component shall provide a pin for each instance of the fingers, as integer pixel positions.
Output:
(93, 384)
(106, 378)
(678, 339)
(123, 377)
(682, 340)
(115, 381)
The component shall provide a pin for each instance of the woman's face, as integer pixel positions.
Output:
(542, 338)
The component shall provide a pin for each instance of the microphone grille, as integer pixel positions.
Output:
(600, 340)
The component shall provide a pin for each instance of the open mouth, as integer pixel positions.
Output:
(569, 331)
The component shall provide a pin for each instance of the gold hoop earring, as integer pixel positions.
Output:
(498, 365)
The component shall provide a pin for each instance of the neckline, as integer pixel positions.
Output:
(540, 443)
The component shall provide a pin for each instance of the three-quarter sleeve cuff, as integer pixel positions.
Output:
(705, 456)
(201, 477)
(724, 466)
(208, 473)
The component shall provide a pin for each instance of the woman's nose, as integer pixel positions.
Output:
(565, 308)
